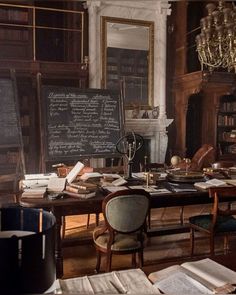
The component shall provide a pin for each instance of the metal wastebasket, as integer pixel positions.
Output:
(27, 250)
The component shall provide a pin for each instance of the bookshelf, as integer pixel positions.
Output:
(15, 32)
(36, 39)
(226, 127)
(28, 121)
(130, 68)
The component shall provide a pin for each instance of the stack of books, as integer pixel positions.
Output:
(81, 190)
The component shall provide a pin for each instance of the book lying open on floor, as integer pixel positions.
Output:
(132, 281)
(199, 277)
(210, 183)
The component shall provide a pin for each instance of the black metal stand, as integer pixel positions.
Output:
(129, 178)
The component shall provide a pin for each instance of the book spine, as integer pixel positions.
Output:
(71, 189)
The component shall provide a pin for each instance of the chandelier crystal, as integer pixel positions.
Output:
(216, 44)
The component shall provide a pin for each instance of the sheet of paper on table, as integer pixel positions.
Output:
(113, 189)
(152, 189)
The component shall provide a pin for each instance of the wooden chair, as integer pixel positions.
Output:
(151, 167)
(124, 230)
(113, 169)
(203, 157)
(219, 222)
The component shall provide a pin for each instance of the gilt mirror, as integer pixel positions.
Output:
(127, 59)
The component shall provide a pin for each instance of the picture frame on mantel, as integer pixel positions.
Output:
(127, 59)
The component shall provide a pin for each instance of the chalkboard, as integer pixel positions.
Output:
(80, 122)
(10, 130)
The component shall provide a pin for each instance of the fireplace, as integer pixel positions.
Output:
(155, 131)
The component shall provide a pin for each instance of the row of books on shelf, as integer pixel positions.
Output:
(25, 121)
(231, 149)
(228, 106)
(112, 67)
(231, 136)
(16, 15)
(9, 157)
(226, 120)
(14, 35)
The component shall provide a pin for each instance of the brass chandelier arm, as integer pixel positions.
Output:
(216, 44)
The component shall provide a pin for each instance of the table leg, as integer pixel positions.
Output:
(58, 243)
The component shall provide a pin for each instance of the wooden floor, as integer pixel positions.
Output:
(159, 251)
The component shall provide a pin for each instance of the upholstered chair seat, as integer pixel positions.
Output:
(122, 242)
(125, 213)
(220, 221)
(223, 223)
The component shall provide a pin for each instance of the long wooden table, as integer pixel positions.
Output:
(76, 206)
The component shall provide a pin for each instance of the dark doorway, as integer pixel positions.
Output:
(194, 124)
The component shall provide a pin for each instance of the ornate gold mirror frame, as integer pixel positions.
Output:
(128, 69)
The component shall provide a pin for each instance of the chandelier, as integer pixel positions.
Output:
(216, 44)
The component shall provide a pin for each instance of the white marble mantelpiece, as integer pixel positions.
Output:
(155, 130)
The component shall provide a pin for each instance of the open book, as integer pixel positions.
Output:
(132, 281)
(74, 172)
(91, 176)
(200, 277)
(210, 183)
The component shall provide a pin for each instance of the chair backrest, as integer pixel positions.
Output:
(218, 193)
(126, 211)
(203, 157)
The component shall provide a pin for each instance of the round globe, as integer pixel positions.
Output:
(175, 160)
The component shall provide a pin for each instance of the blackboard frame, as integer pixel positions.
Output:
(44, 117)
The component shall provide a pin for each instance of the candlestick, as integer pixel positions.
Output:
(147, 179)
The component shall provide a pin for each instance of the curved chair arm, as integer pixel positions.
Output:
(98, 231)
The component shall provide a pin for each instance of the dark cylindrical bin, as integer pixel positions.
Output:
(27, 250)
